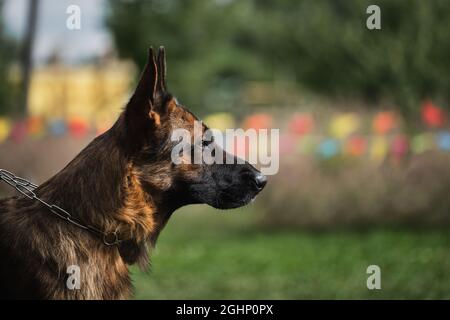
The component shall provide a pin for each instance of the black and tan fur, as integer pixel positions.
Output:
(123, 181)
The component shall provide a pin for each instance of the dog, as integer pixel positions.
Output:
(123, 184)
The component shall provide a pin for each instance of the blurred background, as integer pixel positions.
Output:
(364, 147)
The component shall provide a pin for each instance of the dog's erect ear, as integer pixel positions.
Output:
(152, 84)
(146, 88)
(148, 101)
(162, 71)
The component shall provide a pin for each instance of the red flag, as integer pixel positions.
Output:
(432, 115)
(301, 124)
(78, 127)
(384, 122)
(356, 146)
(258, 121)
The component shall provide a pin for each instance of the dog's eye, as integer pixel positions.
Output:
(206, 143)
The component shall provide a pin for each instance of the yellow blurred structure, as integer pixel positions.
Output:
(95, 93)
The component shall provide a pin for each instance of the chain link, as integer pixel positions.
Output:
(27, 189)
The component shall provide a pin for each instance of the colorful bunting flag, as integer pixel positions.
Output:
(432, 115)
(384, 122)
(328, 148)
(5, 128)
(356, 146)
(306, 144)
(287, 144)
(78, 127)
(298, 139)
(301, 124)
(421, 142)
(58, 127)
(258, 121)
(378, 148)
(443, 140)
(102, 125)
(35, 127)
(18, 131)
(399, 146)
(344, 125)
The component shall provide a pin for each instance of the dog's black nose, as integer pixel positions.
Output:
(261, 181)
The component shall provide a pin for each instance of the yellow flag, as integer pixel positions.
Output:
(378, 148)
(344, 125)
(5, 128)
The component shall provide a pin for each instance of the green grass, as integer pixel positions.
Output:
(206, 255)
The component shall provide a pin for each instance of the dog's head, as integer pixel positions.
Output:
(152, 116)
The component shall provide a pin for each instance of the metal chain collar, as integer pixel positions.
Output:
(27, 189)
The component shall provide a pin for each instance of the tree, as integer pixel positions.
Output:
(214, 46)
(7, 48)
(327, 47)
(202, 41)
(27, 54)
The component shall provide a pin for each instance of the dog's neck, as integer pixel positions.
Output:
(102, 188)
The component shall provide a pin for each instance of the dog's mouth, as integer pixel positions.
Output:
(231, 200)
(225, 196)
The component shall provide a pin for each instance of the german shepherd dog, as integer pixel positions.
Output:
(124, 183)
